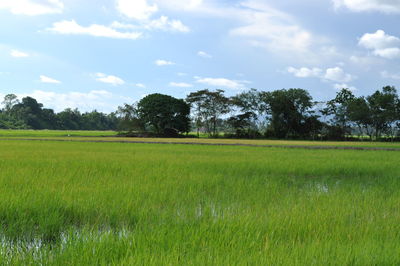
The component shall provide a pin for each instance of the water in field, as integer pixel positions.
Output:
(111, 203)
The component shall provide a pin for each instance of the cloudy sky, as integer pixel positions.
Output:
(98, 54)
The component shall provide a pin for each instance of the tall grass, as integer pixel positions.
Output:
(145, 204)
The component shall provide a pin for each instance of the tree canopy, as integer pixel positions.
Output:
(283, 114)
(164, 114)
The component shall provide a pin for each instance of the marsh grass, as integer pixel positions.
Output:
(148, 204)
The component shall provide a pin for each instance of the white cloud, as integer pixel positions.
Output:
(204, 54)
(339, 86)
(180, 85)
(45, 79)
(220, 82)
(179, 5)
(136, 9)
(381, 44)
(365, 61)
(72, 27)
(387, 75)
(140, 85)
(305, 72)
(16, 53)
(386, 6)
(84, 101)
(335, 74)
(113, 80)
(163, 24)
(161, 62)
(32, 7)
(274, 30)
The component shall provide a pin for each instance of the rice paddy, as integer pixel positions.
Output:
(111, 203)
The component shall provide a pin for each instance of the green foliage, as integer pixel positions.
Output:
(208, 107)
(384, 106)
(281, 114)
(164, 114)
(29, 114)
(290, 113)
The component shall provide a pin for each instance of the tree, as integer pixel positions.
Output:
(243, 125)
(384, 111)
(208, 107)
(30, 112)
(164, 114)
(129, 118)
(359, 113)
(9, 101)
(288, 112)
(251, 108)
(70, 119)
(338, 109)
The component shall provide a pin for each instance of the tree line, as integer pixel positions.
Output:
(280, 114)
(29, 114)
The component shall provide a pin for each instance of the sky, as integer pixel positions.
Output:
(99, 54)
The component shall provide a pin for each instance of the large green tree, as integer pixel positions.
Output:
(384, 110)
(164, 114)
(289, 113)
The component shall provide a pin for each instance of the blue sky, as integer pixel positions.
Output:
(98, 54)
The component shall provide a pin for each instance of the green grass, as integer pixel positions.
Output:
(147, 204)
(111, 136)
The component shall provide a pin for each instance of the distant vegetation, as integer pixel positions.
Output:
(279, 114)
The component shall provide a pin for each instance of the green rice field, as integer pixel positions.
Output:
(82, 203)
(112, 136)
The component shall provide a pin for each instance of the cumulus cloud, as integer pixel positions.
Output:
(274, 30)
(339, 86)
(32, 7)
(16, 53)
(386, 6)
(163, 23)
(137, 9)
(381, 44)
(305, 72)
(180, 4)
(180, 84)
(142, 11)
(335, 74)
(221, 82)
(45, 79)
(204, 54)
(161, 62)
(113, 80)
(73, 28)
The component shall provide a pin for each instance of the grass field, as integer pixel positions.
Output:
(111, 136)
(71, 203)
